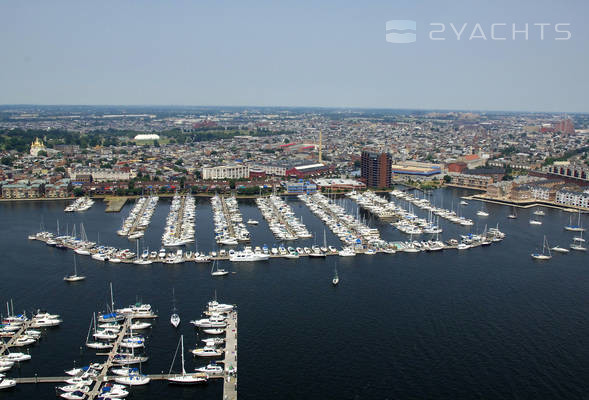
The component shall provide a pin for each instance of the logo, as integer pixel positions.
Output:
(396, 31)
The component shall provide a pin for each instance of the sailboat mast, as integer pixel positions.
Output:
(112, 301)
(182, 340)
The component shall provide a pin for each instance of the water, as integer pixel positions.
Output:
(488, 322)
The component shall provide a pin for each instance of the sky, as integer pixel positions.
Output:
(295, 53)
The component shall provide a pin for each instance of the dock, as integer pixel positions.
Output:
(227, 214)
(138, 217)
(13, 338)
(109, 362)
(114, 204)
(230, 360)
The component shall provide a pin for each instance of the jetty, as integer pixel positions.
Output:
(5, 346)
(109, 362)
(114, 204)
(230, 360)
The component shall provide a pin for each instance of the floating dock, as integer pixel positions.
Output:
(115, 204)
(230, 361)
(13, 338)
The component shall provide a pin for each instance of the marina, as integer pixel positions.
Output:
(399, 274)
(139, 218)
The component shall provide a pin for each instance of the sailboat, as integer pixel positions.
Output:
(481, 212)
(335, 280)
(578, 243)
(218, 271)
(543, 256)
(96, 345)
(184, 378)
(513, 215)
(75, 277)
(575, 228)
(175, 318)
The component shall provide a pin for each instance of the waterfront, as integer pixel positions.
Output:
(487, 322)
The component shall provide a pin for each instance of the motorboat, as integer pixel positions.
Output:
(174, 318)
(137, 325)
(335, 280)
(252, 222)
(128, 359)
(73, 388)
(559, 249)
(6, 383)
(217, 331)
(212, 370)
(208, 351)
(535, 222)
(77, 395)
(135, 379)
(124, 371)
(213, 341)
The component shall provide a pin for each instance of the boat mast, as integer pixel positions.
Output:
(112, 301)
(182, 341)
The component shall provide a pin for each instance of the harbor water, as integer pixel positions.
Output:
(488, 322)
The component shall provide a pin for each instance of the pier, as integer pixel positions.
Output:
(133, 228)
(13, 338)
(115, 204)
(109, 362)
(227, 214)
(230, 360)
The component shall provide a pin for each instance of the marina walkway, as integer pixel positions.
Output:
(138, 217)
(227, 217)
(230, 361)
(10, 343)
(109, 362)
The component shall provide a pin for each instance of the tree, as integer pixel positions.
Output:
(447, 178)
(78, 192)
(42, 153)
(7, 161)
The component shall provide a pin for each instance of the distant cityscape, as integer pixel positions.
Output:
(62, 152)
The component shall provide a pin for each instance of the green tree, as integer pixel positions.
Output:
(447, 178)
(78, 192)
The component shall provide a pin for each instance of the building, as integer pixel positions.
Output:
(458, 167)
(276, 170)
(416, 168)
(576, 173)
(495, 173)
(36, 147)
(300, 187)
(471, 181)
(308, 170)
(100, 175)
(339, 184)
(147, 136)
(574, 199)
(234, 171)
(376, 169)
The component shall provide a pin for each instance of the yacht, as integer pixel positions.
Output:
(184, 378)
(578, 243)
(539, 212)
(77, 395)
(252, 222)
(513, 215)
(211, 370)
(75, 277)
(208, 351)
(218, 271)
(335, 280)
(174, 318)
(543, 255)
(577, 227)
(559, 249)
(214, 331)
(535, 222)
(463, 203)
(135, 379)
(6, 383)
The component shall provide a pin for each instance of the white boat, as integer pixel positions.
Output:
(463, 203)
(78, 380)
(539, 212)
(174, 318)
(577, 227)
(15, 357)
(252, 222)
(559, 249)
(213, 341)
(481, 212)
(543, 255)
(216, 331)
(347, 252)
(73, 388)
(124, 371)
(135, 379)
(212, 370)
(513, 215)
(77, 395)
(535, 222)
(184, 378)
(208, 351)
(75, 277)
(217, 271)
(6, 383)
(335, 280)
(137, 325)
(578, 243)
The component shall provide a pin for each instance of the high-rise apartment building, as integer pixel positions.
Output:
(376, 169)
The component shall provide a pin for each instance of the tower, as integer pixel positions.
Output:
(320, 139)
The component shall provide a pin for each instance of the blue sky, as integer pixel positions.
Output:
(292, 53)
